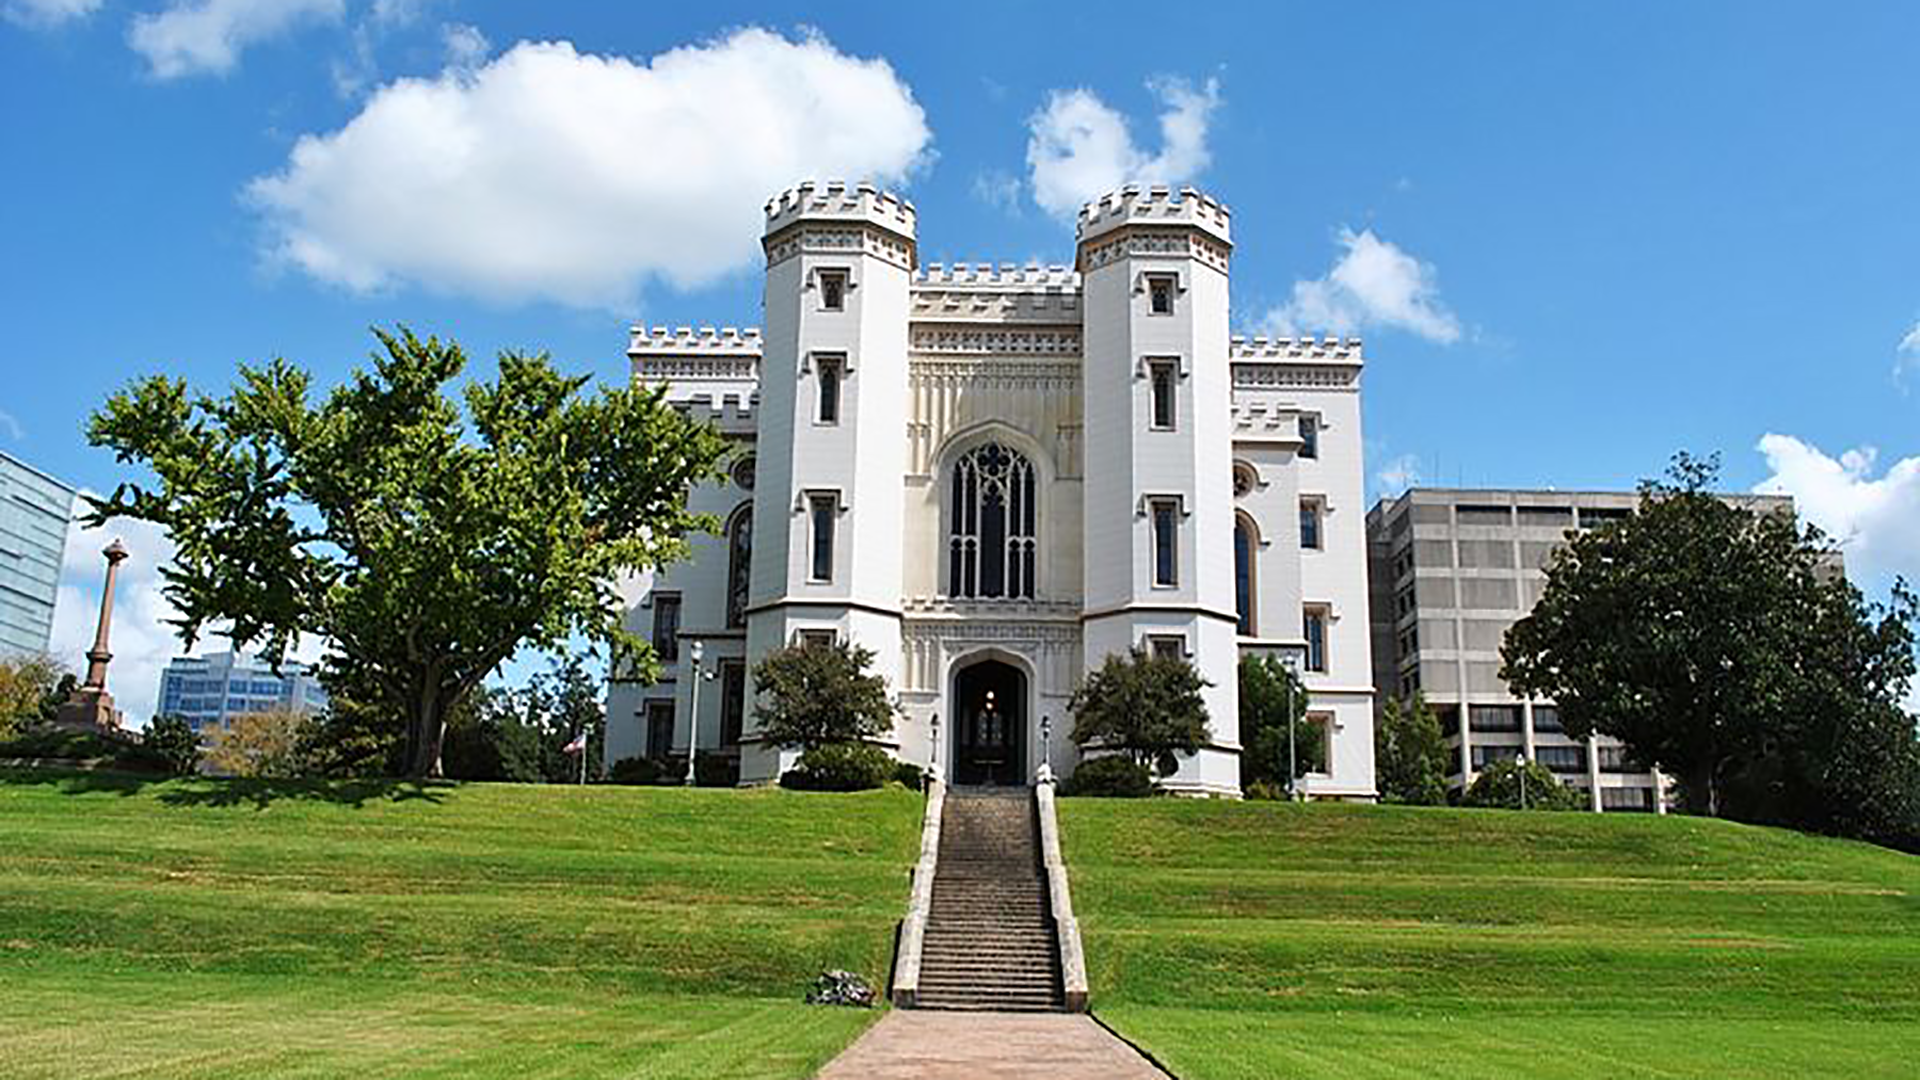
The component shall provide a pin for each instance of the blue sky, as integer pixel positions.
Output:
(1576, 237)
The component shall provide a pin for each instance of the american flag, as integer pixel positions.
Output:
(578, 744)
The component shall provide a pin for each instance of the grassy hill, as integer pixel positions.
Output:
(229, 928)
(1259, 940)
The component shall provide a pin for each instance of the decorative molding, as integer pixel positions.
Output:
(1140, 240)
(1295, 376)
(945, 339)
(1261, 347)
(854, 238)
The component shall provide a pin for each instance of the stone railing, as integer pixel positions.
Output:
(913, 932)
(1073, 962)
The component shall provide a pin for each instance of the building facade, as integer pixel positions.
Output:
(35, 510)
(1449, 571)
(995, 477)
(209, 691)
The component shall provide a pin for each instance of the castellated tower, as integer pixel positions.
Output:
(831, 448)
(1159, 516)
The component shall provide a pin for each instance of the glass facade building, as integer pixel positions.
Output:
(35, 510)
(209, 691)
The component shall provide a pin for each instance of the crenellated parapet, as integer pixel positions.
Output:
(716, 365)
(1290, 364)
(1029, 278)
(1154, 206)
(835, 217)
(1262, 347)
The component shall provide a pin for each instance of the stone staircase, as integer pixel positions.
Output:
(990, 939)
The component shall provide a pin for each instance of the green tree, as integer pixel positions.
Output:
(26, 684)
(1722, 646)
(1146, 707)
(1272, 698)
(426, 545)
(1501, 785)
(262, 744)
(816, 695)
(174, 742)
(1410, 754)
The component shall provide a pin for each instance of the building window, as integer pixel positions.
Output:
(1493, 718)
(733, 701)
(993, 524)
(1245, 544)
(659, 729)
(1163, 376)
(824, 511)
(1310, 524)
(1627, 798)
(1546, 718)
(1562, 759)
(1313, 622)
(827, 372)
(1243, 481)
(1484, 756)
(739, 564)
(1167, 646)
(818, 639)
(833, 290)
(1166, 542)
(1310, 437)
(743, 472)
(666, 625)
(1160, 294)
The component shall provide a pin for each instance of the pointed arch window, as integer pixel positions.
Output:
(993, 524)
(739, 563)
(1245, 544)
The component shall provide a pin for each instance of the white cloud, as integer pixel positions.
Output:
(1909, 354)
(1079, 148)
(206, 37)
(1876, 520)
(466, 46)
(999, 189)
(547, 173)
(1397, 475)
(1374, 284)
(11, 425)
(44, 14)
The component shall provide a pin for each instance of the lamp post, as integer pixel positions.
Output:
(1291, 663)
(698, 650)
(1045, 774)
(1523, 779)
(933, 761)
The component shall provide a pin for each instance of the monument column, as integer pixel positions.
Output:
(91, 706)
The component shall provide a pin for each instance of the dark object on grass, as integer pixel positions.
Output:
(841, 988)
(1115, 777)
(840, 767)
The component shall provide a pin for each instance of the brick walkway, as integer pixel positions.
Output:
(925, 1044)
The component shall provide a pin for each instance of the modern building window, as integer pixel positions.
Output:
(1245, 544)
(824, 509)
(1313, 623)
(739, 564)
(659, 729)
(833, 290)
(1164, 378)
(666, 625)
(1546, 718)
(1310, 437)
(1160, 290)
(993, 524)
(1615, 759)
(827, 373)
(1493, 718)
(1484, 756)
(1165, 515)
(1562, 759)
(733, 701)
(1627, 798)
(1167, 646)
(1310, 524)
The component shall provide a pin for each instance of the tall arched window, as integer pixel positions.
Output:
(993, 524)
(1245, 544)
(739, 563)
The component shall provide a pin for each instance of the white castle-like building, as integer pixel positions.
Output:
(995, 477)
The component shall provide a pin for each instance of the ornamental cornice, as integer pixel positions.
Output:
(1020, 373)
(723, 368)
(1133, 240)
(941, 338)
(1059, 633)
(853, 238)
(1254, 376)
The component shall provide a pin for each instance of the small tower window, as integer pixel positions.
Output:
(833, 290)
(1310, 524)
(1160, 294)
(1166, 542)
(824, 510)
(1314, 623)
(1164, 379)
(828, 370)
(1167, 646)
(1309, 436)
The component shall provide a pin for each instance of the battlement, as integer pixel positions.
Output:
(1029, 278)
(660, 340)
(1261, 347)
(1155, 205)
(836, 200)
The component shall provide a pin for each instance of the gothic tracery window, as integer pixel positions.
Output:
(993, 524)
(739, 563)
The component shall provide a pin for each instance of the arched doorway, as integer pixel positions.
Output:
(990, 728)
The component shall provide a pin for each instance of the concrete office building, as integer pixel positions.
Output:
(1448, 572)
(35, 510)
(209, 691)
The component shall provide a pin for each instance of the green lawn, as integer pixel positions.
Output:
(229, 928)
(1263, 940)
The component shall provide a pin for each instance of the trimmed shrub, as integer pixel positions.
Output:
(840, 767)
(1264, 791)
(1114, 777)
(173, 741)
(912, 776)
(714, 770)
(645, 771)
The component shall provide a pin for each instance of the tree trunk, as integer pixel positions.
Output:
(427, 730)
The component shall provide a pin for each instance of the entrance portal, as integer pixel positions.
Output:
(990, 732)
